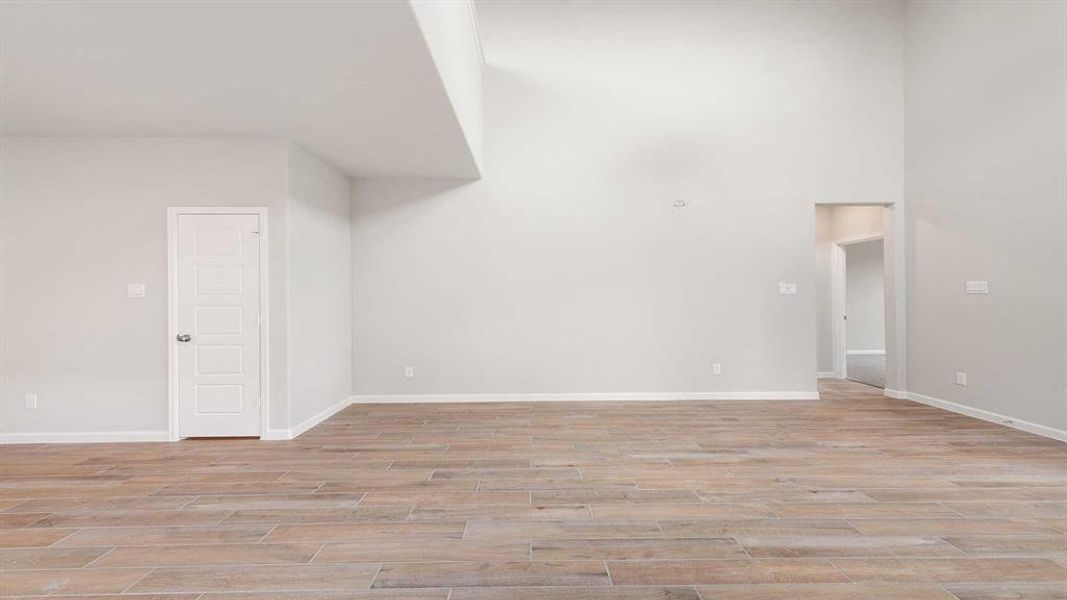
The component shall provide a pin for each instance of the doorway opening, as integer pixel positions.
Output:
(863, 321)
(854, 294)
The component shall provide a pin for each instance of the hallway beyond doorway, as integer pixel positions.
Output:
(868, 369)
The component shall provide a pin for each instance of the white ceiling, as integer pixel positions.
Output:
(352, 81)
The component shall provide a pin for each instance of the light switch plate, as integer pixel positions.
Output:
(135, 290)
(31, 400)
(976, 287)
(786, 288)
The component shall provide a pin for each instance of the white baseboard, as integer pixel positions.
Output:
(277, 434)
(872, 352)
(992, 417)
(288, 434)
(159, 436)
(313, 420)
(825, 375)
(84, 437)
(320, 416)
(579, 397)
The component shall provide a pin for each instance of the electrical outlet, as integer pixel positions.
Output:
(961, 378)
(976, 287)
(135, 290)
(786, 288)
(409, 372)
(31, 400)
(716, 368)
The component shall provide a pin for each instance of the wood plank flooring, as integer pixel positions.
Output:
(855, 496)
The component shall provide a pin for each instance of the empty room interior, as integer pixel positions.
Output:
(533, 300)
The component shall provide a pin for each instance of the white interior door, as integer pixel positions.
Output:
(218, 325)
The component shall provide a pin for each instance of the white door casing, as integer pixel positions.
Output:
(216, 333)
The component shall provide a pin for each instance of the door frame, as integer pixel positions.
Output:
(173, 212)
(838, 300)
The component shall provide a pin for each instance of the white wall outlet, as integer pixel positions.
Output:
(786, 288)
(961, 378)
(716, 368)
(409, 372)
(135, 290)
(976, 287)
(31, 400)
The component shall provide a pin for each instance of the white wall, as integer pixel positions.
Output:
(985, 185)
(865, 296)
(566, 269)
(320, 285)
(81, 218)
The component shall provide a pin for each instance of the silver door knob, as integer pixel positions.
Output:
(184, 337)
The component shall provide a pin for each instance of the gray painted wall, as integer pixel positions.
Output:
(320, 285)
(566, 268)
(79, 219)
(986, 197)
(82, 217)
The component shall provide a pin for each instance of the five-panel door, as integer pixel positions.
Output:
(218, 325)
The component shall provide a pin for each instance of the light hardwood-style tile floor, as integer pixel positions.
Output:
(855, 496)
